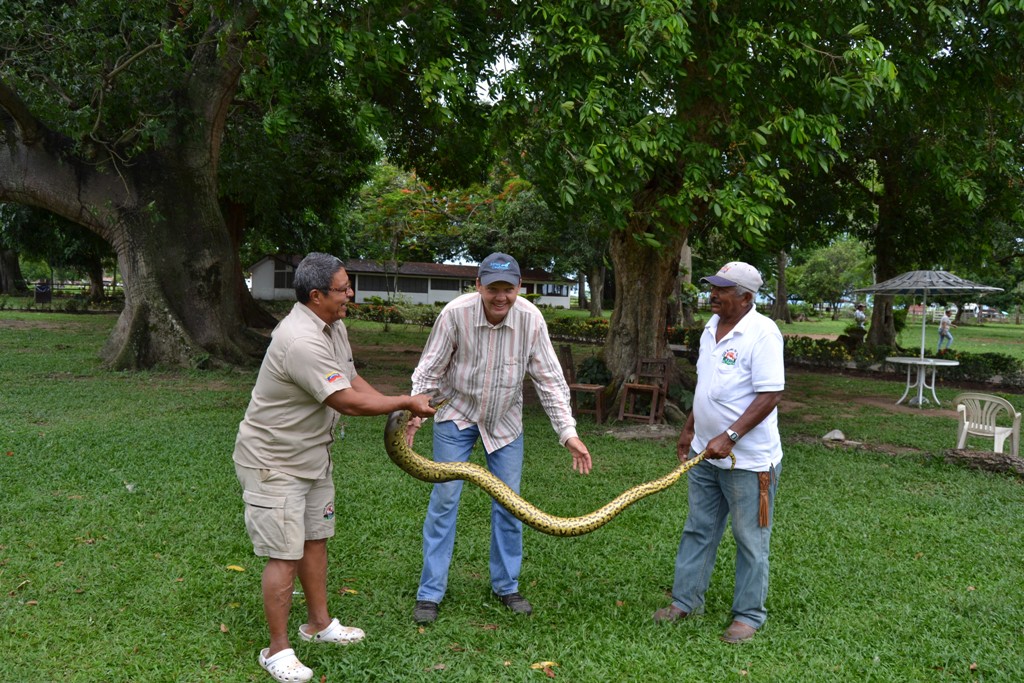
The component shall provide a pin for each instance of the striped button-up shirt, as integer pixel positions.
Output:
(480, 368)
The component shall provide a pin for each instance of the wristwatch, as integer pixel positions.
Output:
(733, 436)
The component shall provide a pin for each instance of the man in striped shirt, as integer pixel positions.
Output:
(481, 347)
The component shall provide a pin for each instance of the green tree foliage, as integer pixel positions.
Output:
(115, 114)
(829, 274)
(942, 164)
(400, 217)
(672, 117)
(60, 244)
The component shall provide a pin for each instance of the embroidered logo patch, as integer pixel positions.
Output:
(332, 376)
(329, 511)
(729, 357)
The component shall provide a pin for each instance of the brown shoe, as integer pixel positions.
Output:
(667, 615)
(738, 632)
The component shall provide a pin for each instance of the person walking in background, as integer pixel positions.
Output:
(480, 349)
(860, 317)
(945, 336)
(740, 379)
(283, 456)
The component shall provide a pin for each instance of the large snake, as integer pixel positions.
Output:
(436, 472)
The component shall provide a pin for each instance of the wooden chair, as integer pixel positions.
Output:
(576, 388)
(650, 380)
(979, 415)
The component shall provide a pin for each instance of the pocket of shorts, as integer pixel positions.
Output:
(264, 519)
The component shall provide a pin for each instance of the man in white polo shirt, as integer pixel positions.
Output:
(283, 456)
(740, 379)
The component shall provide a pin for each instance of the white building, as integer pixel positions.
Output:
(419, 283)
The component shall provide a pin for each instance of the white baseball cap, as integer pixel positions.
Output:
(736, 273)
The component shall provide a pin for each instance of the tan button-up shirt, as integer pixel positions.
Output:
(287, 427)
(480, 368)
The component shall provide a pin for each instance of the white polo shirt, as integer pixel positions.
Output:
(730, 373)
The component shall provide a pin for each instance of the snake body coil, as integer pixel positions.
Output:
(436, 472)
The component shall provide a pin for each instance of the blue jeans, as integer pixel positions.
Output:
(948, 338)
(506, 463)
(714, 495)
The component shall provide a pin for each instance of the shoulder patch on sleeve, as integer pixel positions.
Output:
(333, 376)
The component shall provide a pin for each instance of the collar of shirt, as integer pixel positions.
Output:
(739, 328)
(480, 316)
(317, 320)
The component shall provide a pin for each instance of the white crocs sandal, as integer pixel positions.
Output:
(334, 633)
(285, 667)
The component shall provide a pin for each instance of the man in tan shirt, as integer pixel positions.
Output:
(283, 455)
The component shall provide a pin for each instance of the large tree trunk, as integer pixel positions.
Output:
(685, 279)
(160, 213)
(644, 278)
(581, 284)
(253, 314)
(10, 273)
(179, 269)
(780, 309)
(882, 331)
(596, 280)
(96, 281)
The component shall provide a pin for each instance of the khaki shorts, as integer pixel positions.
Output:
(282, 512)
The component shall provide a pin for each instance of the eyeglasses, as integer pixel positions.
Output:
(342, 290)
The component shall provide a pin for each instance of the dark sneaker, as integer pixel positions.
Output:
(425, 612)
(667, 615)
(516, 602)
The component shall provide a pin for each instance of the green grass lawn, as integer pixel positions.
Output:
(992, 337)
(120, 519)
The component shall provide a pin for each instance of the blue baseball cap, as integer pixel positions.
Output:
(499, 267)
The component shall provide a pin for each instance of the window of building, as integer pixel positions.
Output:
(284, 276)
(413, 285)
(439, 284)
(373, 283)
(554, 290)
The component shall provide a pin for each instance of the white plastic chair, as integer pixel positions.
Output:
(979, 414)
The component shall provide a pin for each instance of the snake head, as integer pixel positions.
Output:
(437, 400)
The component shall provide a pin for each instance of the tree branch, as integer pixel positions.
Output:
(217, 70)
(30, 128)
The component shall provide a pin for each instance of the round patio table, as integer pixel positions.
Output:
(922, 365)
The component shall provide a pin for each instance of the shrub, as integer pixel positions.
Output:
(899, 319)
(421, 314)
(593, 370)
(377, 313)
(821, 352)
(687, 336)
(75, 305)
(985, 367)
(587, 329)
(803, 310)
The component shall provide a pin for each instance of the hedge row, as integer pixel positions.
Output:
(997, 368)
(820, 353)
